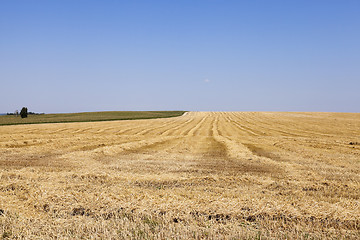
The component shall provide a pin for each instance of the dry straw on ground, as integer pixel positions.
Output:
(203, 175)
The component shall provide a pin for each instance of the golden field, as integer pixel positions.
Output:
(204, 175)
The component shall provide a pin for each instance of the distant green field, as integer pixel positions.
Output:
(87, 117)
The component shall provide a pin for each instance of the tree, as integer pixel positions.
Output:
(24, 112)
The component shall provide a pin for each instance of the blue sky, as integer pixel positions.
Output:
(74, 56)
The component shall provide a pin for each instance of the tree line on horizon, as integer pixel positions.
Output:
(23, 113)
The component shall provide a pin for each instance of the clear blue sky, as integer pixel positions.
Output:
(215, 55)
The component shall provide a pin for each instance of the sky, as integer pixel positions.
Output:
(195, 55)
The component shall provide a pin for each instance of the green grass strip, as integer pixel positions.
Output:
(87, 117)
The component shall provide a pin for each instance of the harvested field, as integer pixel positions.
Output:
(215, 175)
